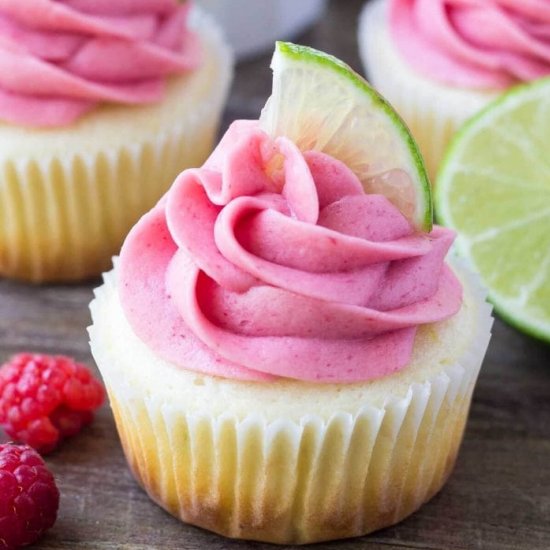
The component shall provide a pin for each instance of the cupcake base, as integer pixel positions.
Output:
(286, 461)
(69, 196)
(433, 111)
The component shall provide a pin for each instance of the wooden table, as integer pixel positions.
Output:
(497, 499)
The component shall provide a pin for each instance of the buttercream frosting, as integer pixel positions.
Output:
(484, 44)
(60, 58)
(271, 262)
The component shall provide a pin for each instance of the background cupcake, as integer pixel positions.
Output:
(440, 61)
(287, 359)
(101, 105)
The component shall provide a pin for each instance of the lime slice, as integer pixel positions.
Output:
(322, 104)
(494, 189)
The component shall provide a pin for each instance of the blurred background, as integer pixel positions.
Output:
(323, 24)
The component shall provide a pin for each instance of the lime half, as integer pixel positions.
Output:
(494, 189)
(322, 104)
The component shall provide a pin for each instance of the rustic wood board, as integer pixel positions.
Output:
(497, 499)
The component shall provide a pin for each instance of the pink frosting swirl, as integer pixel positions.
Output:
(269, 262)
(60, 58)
(488, 44)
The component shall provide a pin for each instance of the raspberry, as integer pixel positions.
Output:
(44, 399)
(29, 497)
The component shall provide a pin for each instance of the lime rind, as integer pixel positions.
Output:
(288, 55)
(509, 309)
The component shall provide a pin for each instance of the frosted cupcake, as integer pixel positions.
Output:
(288, 358)
(440, 61)
(102, 104)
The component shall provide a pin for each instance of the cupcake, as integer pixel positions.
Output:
(288, 359)
(440, 61)
(102, 104)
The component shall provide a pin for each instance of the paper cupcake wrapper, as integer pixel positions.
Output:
(433, 111)
(63, 216)
(288, 482)
(292, 480)
(63, 220)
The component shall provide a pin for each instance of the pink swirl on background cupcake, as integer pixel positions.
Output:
(61, 58)
(269, 262)
(488, 44)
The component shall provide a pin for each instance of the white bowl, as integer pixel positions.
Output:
(252, 26)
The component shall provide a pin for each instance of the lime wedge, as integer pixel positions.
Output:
(494, 189)
(322, 104)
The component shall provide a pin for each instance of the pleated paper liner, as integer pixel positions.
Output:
(69, 196)
(64, 220)
(432, 111)
(299, 477)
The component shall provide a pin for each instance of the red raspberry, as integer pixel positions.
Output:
(29, 497)
(45, 398)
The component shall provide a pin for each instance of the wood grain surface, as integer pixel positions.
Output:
(497, 499)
